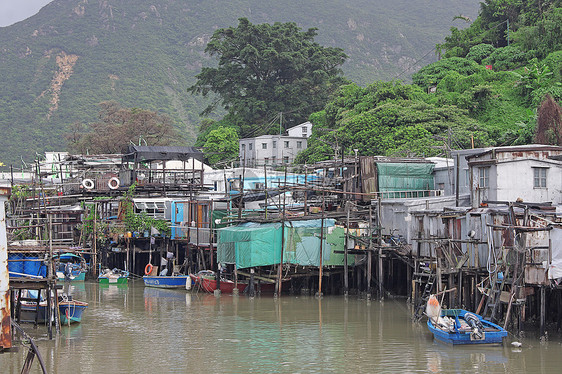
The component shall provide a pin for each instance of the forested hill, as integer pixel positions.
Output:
(56, 66)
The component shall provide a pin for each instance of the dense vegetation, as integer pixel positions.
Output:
(268, 69)
(57, 66)
(486, 90)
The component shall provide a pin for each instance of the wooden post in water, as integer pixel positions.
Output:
(543, 310)
(50, 305)
(321, 266)
(345, 264)
(95, 239)
(370, 253)
(280, 267)
(379, 240)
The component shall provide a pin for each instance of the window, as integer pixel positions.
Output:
(299, 144)
(539, 177)
(263, 145)
(266, 160)
(243, 147)
(250, 146)
(275, 144)
(274, 160)
(484, 177)
(286, 159)
(304, 130)
(286, 144)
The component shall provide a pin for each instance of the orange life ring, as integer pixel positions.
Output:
(148, 269)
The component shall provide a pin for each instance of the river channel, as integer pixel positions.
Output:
(134, 329)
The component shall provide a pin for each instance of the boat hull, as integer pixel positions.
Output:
(493, 334)
(79, 277)
(166, 281)
(112, 280)
(209, 284)
(71, 311)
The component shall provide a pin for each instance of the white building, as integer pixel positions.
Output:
(529, 173)
(275, 149)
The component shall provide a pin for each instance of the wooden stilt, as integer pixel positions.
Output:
(543, 310)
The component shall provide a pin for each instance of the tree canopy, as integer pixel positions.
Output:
(221, 145)
(117, 126)
(264, 70)
(392, 119)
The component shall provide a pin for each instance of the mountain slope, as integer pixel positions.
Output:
(56, 66)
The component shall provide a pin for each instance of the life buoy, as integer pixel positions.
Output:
(148, 269)
(88, 184)
(113, 183)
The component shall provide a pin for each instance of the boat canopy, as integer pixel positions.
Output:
(69, 257)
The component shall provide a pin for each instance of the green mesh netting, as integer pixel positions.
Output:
(254, 244)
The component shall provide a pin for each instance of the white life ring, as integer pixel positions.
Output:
(88, 184)
(113, 183)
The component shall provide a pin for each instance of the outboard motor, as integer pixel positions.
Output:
(477, 327)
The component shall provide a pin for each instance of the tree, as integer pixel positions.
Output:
(264, 70)
(117, 127)
(549, 122)
(221, 145)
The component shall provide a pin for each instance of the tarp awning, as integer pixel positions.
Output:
(161, 153)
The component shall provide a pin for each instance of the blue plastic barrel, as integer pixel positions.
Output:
(14, 265)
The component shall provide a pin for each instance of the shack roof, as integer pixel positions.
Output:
(161, 153)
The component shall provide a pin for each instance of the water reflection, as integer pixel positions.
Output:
(138, 329)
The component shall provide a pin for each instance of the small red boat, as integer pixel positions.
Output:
(209, 284)
(206, 279)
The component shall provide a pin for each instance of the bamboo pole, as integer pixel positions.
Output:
(280, 267)
(379, 240)
(321, 265)
(345, 263)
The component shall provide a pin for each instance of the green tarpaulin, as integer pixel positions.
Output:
(254, 244)
(403, 177)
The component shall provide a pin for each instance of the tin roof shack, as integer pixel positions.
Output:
(498, 254)
(443, 174)
(522, 173)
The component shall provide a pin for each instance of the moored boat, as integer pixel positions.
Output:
(71, 311)
(208, 283)
(458, 326)
(70, 267)
(113, 276)
(166, 281)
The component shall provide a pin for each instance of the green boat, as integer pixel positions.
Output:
(114, 276)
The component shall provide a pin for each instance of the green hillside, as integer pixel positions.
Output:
(499, 83)
(59, 64)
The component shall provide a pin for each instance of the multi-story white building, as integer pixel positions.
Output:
(275, 149)
(529, 173)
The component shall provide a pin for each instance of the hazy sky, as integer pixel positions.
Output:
(12, 11)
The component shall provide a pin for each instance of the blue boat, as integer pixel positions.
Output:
(70, 267)
(71, 311)
(458, 326)
(166, 281)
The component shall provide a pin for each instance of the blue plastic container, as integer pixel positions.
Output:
(14, 265)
